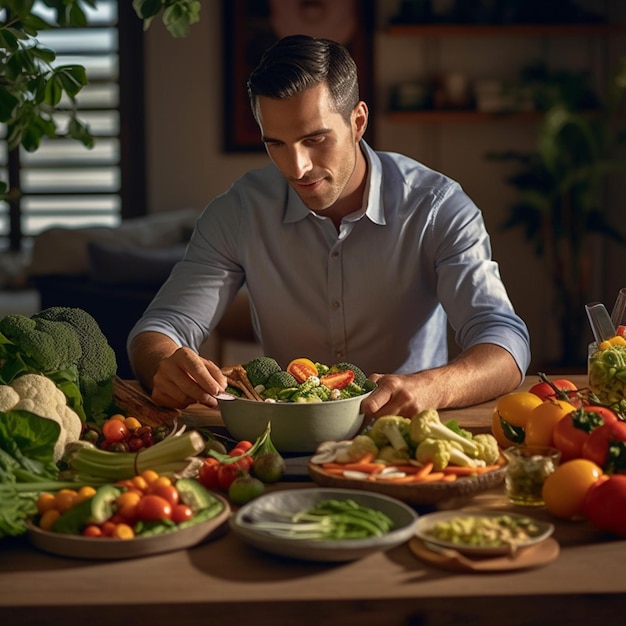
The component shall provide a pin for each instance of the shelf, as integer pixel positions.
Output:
(503, 30)
(441, 116)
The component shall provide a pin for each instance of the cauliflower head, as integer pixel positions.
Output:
(39, 395)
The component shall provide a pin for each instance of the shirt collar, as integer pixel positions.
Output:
(296, 209)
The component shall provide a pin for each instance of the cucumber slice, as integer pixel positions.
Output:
(94, 510)
(194, 495)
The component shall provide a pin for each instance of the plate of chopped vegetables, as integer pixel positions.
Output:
(482, 534)
(324, 524)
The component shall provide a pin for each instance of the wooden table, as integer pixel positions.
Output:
(226, 581)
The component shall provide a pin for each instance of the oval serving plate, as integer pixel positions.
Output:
(427, 522)
(274, 505)
(418, 493)
(111, 549)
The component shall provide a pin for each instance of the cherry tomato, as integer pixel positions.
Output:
(132, 423)
(114, 430)
(301, 369)
(544, 391)
(167, 492)
(338, 380)
(181, 513)
(244, 445)
(207, 475)
(152, 508)
(92, 531)
(227, 473)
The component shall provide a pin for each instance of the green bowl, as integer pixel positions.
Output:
(295, 426)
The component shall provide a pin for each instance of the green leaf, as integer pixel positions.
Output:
(72, 78)
(147, 8)
(53, 91)
(8, 102)
(45, 54)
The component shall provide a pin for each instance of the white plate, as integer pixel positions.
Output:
(427, 523)
(292, 501)
(110, 549)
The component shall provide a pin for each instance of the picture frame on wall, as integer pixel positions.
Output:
(252, 26)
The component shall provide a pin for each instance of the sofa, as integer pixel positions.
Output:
(114, 272)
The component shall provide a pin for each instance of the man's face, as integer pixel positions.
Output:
(314, 147)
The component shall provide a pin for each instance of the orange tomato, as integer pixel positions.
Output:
(45, 502)
(515, 407)
(542, 420)
(564, 490)
(65, 499)
(301, 369)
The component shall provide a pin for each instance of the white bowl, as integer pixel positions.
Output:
(268, 506)
(295, 426)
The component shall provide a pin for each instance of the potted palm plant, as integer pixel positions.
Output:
(561, 185)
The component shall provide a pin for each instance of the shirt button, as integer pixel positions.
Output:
(335, 305)
(335, 254)
(339, 354)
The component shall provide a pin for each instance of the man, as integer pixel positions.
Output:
(347, 254)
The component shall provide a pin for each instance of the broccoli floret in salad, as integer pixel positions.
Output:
(260, 369)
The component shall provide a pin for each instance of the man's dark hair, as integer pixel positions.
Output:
(297, 62)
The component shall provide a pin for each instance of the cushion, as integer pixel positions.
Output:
(109, 264)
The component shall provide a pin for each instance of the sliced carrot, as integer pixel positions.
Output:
(334, 471)
(426, 469)
(449, 478)
(433, 477)
(368, 468)
(368, 457)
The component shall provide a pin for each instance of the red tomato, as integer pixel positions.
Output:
(114, 430)
(596, 448)
(245, 462)
(227, 473)
(301, 369)
(545, 391)
(571, 433)
(207, 474)
(153, 508)
(606, 446)
(338, 380)
(181, 513)
(244, 445)
(605, 504)
(167, 492)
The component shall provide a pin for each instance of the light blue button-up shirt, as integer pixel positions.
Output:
(378, 293)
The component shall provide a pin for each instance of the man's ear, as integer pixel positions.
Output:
(359, 119)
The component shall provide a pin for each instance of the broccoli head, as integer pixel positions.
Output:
(281, 380)
(97, 365)
(260, 369)
(44, 346)
(359, 376)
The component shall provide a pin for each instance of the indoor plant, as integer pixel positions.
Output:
(560, 206)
